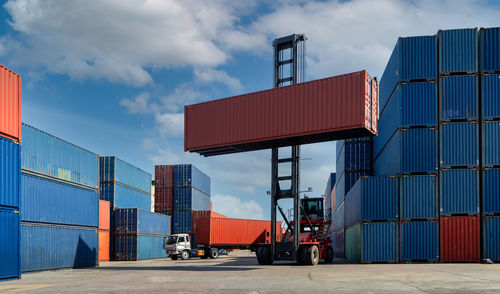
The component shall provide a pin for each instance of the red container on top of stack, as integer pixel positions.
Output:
(164, 188)
(459, 236)
(10, 104)
(316, 111)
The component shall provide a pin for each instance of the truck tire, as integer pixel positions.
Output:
(329, 255)
(312, 255)
(185, 255)
(214, 253)
(173, 257)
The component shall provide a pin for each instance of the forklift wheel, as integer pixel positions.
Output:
(185, 255)
(264, 255)
(312, 255)
(173, 257)
(329, 255)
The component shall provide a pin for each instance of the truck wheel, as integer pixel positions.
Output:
(312, 255)
(174, 257)
(329, 255)
(214, 253)
(185, 255)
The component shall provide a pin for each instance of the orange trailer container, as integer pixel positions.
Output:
(103, 245)
(104, 215)
(10, 104)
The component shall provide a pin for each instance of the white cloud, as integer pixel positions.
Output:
(210, 75)
(171, 124)
(231, 206)
(139, 104)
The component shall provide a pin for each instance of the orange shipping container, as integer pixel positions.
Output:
(104, 215)
(103, 245)
(10, 104)
(217, 231)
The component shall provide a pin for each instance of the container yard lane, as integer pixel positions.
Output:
(240, 273)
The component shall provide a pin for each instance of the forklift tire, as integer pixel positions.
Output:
(185, 255)
(312, 255)
(264, 255)
(214, 253)
(174, 257)
(329, 255)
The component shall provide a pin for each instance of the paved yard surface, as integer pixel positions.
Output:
(240, 273)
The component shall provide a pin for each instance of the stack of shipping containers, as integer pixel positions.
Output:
(164, 189)
(104, 230)
(329, 198)
(59, 203)
(10, 171)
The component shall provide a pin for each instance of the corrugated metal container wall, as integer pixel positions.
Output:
(190, 199)
(46, 246)
(459, 191)
(164, 176)
(458, 51)
(340, 191)
(135, 221)
(122, 197)
(340, 164)
(372, 242)
(187, 175)
(491, 190)
(491, 143)
(338, 249)
(459, 238)
(459, 144)
(10, 173)
(490, 94)
(10, 104)
(104, 215)
(48, 201)
(490, 49)
(9, 244)
(419, 241)
(182, 222)
(139, 247)
(338, 221)
(104, 236)
(413, 58)
(413, 104)
(164, 199)
(491, 238)
(419, 197)
(50, 156)
(372, 199)
(318, 110)
(113, 168)
(459, 97)
(408, 151)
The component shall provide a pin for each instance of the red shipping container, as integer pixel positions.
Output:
(104, 215)
(10, 104)
(459, 238)
(217, 231)
(103, 245)
(164, 176)
(328, 109)
(164, 199)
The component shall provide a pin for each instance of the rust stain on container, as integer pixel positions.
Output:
(10, 104)
(459, 237)
(322, 110)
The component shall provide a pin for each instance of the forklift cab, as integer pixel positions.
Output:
(313, 208)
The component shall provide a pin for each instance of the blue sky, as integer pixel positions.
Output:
(113, 77)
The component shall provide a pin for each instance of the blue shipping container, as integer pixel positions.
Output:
(372, 242)
(490, 95)
(491, 191)
(139, 247)
(458, 51)
(419, 241)
(45, 154)
(490, 49)
(45, 246)
(346, 182)
(459, 144)
(459, 97)
(413, 58)
(10, 171)
(123, 197)
(9, 244)
(372, 199)
(491, 143)
(413, 104)
(183, 222)
(459, 191)
(338, 219)
(47, 201)
(191, 199)
(419, 197)
(491, 238)
(113, 169)
(338, 244)
(187, 175)
(136, 221)
(408, 151)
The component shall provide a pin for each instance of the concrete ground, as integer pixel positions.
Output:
(240, 273)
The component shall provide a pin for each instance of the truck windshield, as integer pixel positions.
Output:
(172, 240)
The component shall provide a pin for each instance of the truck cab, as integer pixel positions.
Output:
(178, 245)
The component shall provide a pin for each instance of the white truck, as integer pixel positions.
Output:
(179, 246)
